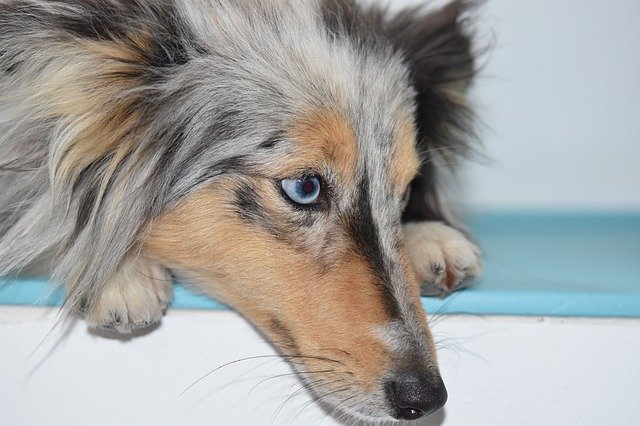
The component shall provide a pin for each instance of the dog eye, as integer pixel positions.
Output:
(304, 190)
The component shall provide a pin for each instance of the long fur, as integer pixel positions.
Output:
(129, 76)
(113, 112)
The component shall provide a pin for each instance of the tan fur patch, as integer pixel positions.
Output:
(324, 138)
(92, 93)
(405, 162)
(104, 113)
(328, 311)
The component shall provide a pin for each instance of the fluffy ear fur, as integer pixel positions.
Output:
(438, 49)
(83, 94)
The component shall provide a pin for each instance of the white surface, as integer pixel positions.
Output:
(498, 370)
(559, 100)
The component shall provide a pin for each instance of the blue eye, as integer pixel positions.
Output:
(304, 190)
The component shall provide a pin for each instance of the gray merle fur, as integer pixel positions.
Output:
(209, 108)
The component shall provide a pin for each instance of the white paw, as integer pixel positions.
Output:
(134, 298)
(443, 257)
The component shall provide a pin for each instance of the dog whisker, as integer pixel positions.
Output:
(289, 358)
(236, 361)
(456, 346)
(306, 385)
(338, 408)
(319, 398)
(261, 365)
(297, 373)
(294, 393)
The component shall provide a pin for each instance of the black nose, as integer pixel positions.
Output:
(414, 394)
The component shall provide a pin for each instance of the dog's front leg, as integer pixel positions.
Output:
(135, 297)
(442, 256)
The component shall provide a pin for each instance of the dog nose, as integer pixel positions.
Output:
(415, 394)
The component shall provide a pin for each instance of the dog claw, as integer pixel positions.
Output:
(437, 269)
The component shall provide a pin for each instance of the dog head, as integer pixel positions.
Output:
(302, 232)
(267, 151)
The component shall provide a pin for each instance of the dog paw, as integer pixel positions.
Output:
(443, 257)
(136, 297)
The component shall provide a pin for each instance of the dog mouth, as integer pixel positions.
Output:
(346, 400)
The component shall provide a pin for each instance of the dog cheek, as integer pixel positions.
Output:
(227, 250)
(306, 308)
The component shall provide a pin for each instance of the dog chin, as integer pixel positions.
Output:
(357, 416)
(360, 407)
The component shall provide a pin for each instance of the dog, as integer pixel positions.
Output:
(281, 155)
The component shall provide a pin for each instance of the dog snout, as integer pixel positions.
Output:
(415, 394)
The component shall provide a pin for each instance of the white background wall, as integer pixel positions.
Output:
(560, 102)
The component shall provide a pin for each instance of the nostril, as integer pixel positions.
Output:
(409, 413)
(415, 394)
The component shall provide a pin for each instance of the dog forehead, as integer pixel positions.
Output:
(350, 144)
(326, 135)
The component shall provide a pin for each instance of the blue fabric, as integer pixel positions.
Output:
(535, 264)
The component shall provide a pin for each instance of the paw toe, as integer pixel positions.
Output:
(443, 257)
(131, 301)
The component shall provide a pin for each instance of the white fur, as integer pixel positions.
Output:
(135, 297)
(442, 256)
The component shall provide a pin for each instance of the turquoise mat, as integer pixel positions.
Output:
(552, 265)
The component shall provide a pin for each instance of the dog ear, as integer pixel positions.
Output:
(437, 47)
(438, 50)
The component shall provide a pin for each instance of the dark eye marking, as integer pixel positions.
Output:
(365, 234)
(248, 203)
